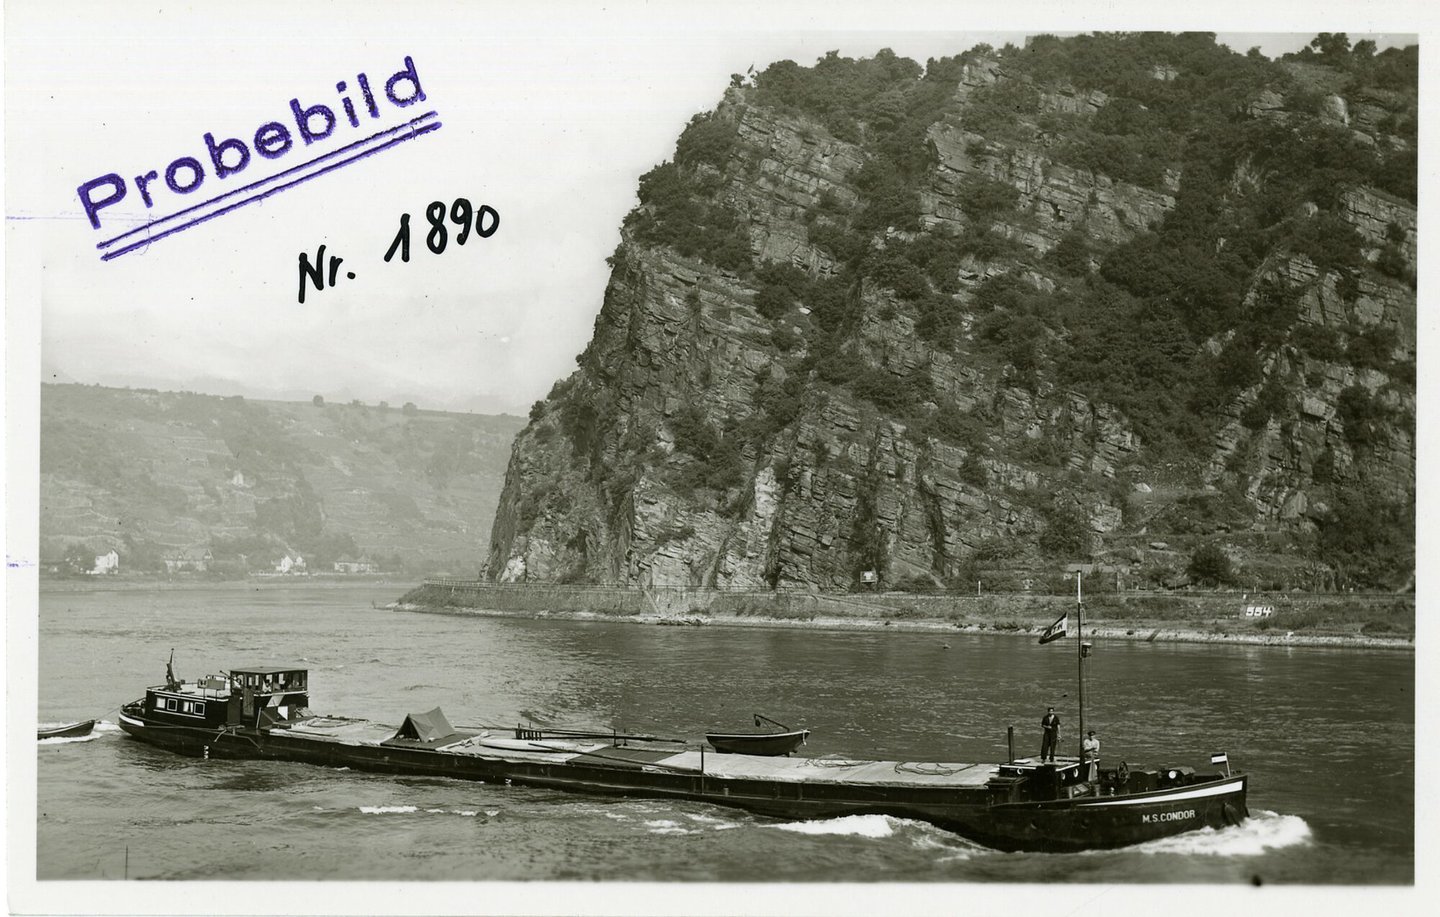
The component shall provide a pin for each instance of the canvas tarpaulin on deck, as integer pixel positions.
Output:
(426, 727)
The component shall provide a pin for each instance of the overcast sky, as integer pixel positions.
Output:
(548, 116)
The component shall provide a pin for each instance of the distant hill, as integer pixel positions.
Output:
(235, 485)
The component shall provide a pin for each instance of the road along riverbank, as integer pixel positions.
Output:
(1370, 621)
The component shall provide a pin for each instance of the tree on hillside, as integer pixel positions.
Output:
(1209, 566)
(1332, 44)
(1065, 533)
(410, 410)
(318, 401)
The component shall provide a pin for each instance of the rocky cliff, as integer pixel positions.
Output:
(1134, 301)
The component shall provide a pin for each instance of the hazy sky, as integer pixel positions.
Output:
(549, 117)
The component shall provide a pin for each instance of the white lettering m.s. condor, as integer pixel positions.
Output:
(1148, 817)
(1219, 789)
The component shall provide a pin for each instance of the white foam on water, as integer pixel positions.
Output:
(710, 821)
(665, 826)
(854, 825)
(1260, 832)
(948, 847)
(410, 810)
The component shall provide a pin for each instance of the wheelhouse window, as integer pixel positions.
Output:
(277, 682)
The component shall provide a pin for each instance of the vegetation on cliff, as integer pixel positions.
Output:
(1013, 307)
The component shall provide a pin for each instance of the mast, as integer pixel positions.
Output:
(1080, 660)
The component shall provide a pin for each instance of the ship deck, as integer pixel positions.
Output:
(641, 756)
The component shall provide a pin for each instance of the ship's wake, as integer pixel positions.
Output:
(944, 845)
(416, 810)
(1261, 832)
(852, 825)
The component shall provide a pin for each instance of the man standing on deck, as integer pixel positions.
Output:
(1050, 726)
(1090, 746)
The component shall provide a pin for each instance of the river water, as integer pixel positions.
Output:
(1327, 735)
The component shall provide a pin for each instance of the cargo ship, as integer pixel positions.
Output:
(1056, 804)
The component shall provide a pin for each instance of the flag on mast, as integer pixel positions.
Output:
(1057, 630)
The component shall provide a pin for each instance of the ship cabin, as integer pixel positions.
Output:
(270, 697)
(1029, 780)
(256, 697)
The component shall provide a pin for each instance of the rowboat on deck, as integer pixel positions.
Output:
(767, 744)
(764, 744)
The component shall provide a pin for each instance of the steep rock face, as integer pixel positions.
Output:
(841, 480)
(720, 433)
(793, 165)
(1281, 457)
(1377, 217)
(1056, 198)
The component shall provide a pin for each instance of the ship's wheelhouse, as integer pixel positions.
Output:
(266, 697)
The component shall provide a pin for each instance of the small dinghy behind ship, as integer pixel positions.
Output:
(70, 731)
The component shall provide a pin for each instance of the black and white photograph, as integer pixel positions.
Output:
(719, 459)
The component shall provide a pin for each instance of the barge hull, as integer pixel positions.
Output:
(1120, 821)
(967, 810)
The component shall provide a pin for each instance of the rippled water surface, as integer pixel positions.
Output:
(1327, 735)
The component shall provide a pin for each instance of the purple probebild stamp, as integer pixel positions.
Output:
(320, 135)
